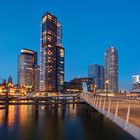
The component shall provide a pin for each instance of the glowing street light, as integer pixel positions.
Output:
(95, 89)
(107, 83)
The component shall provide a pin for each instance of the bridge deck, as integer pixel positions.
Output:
(134, 117)
(125, 113)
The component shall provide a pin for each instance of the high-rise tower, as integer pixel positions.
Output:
(111, 69)
(97, 73)
(52, 55)
(27, 61)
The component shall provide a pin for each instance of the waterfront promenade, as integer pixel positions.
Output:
(123, 112)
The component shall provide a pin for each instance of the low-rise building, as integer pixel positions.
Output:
(135, 82)
(79, 85)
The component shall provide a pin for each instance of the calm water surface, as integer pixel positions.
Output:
(74, 122)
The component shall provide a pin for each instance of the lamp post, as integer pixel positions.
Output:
(107, 82)
(92, 87)
(95, 89)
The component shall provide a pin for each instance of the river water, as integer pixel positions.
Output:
(72, 122)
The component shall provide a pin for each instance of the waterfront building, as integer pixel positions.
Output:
(97, 73)
(52, 55)
(27, 62)
(72, 88)
(10, 81)
(79, 85)
(11, 89)
(136, 82)
(60, 68)
(3, 83)
(111, 69)
(36, 78)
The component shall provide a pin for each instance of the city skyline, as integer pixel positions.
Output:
(70, 70)
(72, 43)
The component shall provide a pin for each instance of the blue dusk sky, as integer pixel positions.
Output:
(89, 27)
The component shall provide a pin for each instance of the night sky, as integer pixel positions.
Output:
(89, 27)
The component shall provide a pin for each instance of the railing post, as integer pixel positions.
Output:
(104, 104)
(100, 102)
(116, 111)
(108, 107)
(127, 117)
(97, 102)
(94, 100)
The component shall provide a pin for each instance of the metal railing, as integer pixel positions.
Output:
(123, 112)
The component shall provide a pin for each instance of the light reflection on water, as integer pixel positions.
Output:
(72, 122)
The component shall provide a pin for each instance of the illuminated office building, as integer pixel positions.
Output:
(36, 78)
(27, 62)
(111, 69)
(52, 55)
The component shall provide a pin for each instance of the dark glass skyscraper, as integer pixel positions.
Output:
(97, 73)
(111, 69)
(60, 67)
(52, 55)
(27, 61)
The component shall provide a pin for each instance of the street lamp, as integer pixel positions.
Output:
(107, 83)
(95, 89)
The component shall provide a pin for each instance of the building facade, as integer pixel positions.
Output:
(111, 69)
(60, 68)
(10, 81)
(52, 55)
(97, 73)
(79, 85)
(36, 78)
(136, 82)
(27, 61)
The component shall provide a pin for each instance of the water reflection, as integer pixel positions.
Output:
(13, 115)
(69, 122)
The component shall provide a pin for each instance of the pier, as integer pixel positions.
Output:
(49, 100)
